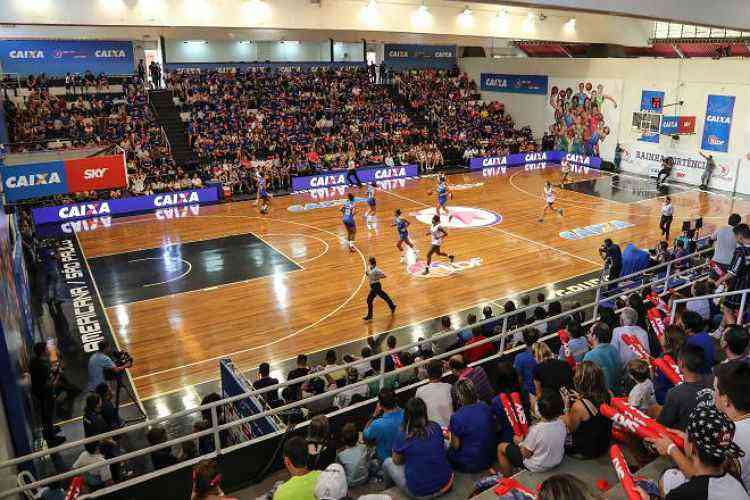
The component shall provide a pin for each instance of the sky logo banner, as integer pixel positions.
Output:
(98, 172)
(514, 84)
(718, 124)
(365, 174)
(652, 101)
(33, 180)
(58, 57)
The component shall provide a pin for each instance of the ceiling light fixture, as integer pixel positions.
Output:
(467, 11)
(423, 8)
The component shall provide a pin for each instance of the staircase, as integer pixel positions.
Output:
(168, 116)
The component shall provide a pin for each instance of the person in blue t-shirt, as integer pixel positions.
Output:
(525, 363)
(695, 328)
(472, 430)
(385, 424)
(604, 355)
(419, 465)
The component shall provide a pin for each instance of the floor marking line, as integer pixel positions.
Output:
(189, 268)
(324, 242)
(279, 251)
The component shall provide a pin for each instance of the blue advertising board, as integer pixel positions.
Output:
(514, 84)
(670, 125)
(58, 57)
(718, 123)
(365, 174)
(401, 55)
(122, 206)
(523, 159)
(278, 66)
(34, 180)
(233, 383)
(3, 128)
(653, 101)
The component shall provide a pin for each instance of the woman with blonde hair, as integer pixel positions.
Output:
(472, 430)
(550, 372)
(672, 341)
(590, 432)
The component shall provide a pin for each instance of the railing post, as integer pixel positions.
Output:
(503, 334)
(382, 372)
(741, 312)
(215, 427)
(596, 300)
(666, 276)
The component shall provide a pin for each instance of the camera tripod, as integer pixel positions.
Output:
(129, 392)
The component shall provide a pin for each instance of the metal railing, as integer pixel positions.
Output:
(501, 334)
(740, 312)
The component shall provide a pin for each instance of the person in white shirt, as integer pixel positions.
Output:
(344, 398)
(642, 395)
(437, 233)
(667, 215)
(95, 478)
(700, 306)
(732, 396)
(725, 242)
(628, 320)
(436, 395)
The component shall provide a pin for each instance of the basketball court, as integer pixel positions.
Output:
(184, 287)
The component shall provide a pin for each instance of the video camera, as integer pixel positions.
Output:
(122, 358)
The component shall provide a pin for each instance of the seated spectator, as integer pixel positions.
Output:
(265, 380)
(96, 478)
(481, 351)
(352, 394)
(109, 413)
(674, 339)
(471, 430)
(418, 465)
(550, 372)
(488, 329)
(300, 371)
(539, 314)
(316, 386)
(302, 484)
(695, 328)
(207, 482)
(54, 491)
(554, 309)
(732, 396)
(436, 395)
(476, 374)
(94, 424)
(734, 343)
(389, 382)
(508, 382)
(702, 472)
(524, 363)
(355, 457)
(392, 361)
(578, 345)
(604, 355)
(642, 394)
(332, 484)
(565, 487)
(590, 432)
(465, 335)
(628, 326)
(321, 451)
(162, 457)
(383, 426)
(407, 377)
(295, 415)
(702, 307)
(336, 377)
(694, 391)
(543, 448)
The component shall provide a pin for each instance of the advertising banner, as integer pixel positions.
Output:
(365, 174)
(653, 101)
(419, 56)
(105, 208)
(36, 180)
(514, 84)
(671, 125)
(58, 57)
(718, 123)
(599, 99)
(524, 159)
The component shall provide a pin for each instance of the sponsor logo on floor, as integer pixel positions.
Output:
(442, 269)
(462, 217)
(580, 233)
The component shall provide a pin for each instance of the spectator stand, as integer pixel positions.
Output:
(235, 460)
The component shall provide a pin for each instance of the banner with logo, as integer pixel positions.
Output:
(671, 125)
(652, 101)
(58, 57)
(401, 55)
(524, 159)
(231, 67)
(645, 159)
(514, 84)
(365, 174)
(121, 206)
(718, 123)
(36, 180)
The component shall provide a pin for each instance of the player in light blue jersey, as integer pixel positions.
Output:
(370, 217)
(402, 228)
(264, 197)
(347, 211)
(443, 193)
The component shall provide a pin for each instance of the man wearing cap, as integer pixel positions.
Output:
(701, 472)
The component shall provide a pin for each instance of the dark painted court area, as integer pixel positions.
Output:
(623, 189)
(184, 267)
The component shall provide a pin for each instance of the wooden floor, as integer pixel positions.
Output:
(177, 339)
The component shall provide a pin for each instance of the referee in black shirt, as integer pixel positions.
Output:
(376, 289)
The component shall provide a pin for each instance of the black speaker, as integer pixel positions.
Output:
(473, 52)
(605, 50)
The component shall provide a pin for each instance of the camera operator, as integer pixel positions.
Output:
(612, 257)
(102, 368)
(47, 381)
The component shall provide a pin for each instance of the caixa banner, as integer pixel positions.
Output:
(37, 180)
(543, 157)
(58, 57)
(122, 206)
(365, 174)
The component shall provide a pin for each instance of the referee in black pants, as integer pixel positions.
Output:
(376, 290)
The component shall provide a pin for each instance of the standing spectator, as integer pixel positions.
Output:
(418, 465)
(43, 383)
(550, 372)
(543, 448)
(301, 486)
(695, 328)
(354, 457)
(612, 256)
(693, 392)
(320, 448)
(436, 395)
(738, 273)
(578, 345)
(476, 374)
(266, 380)
(628, 320)
(383, 426)
(590, 432)
(525, 363)
(141, 70)
(734, 343)
(471, 430)
(725, 243)
(109, 412)
(732, 396)
(604, 355)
